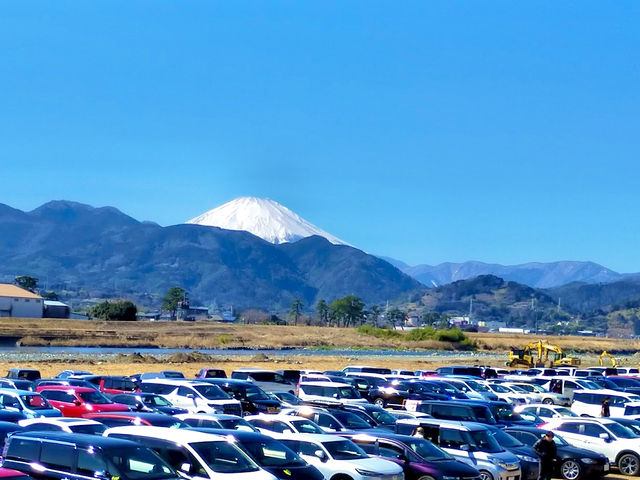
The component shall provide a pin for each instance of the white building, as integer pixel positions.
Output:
(18, 302)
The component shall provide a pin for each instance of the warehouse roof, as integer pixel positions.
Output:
(9, 290)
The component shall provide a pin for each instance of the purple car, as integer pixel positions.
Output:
(417, 457)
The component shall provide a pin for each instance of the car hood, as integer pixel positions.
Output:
(378, 465)
(569, 451)
(299, 472)
(524, 450)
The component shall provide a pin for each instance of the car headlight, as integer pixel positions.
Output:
(589, 461)
(498, 462)
(527, 458)
(367, 473)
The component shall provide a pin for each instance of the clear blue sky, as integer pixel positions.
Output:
(426, 131)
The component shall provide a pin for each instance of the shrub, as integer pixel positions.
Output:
(449, 335)
(378, 332)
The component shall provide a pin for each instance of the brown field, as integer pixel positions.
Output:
(200, 335)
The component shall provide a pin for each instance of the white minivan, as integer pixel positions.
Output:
(194, 454)
(196, 397)
(588, 403)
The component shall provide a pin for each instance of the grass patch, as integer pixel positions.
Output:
(378, 332)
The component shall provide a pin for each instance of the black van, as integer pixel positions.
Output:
(461, 370)
(456, 411)
(73, 456)
(253, 399)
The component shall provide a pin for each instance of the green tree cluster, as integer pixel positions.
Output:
(118, 310)
(26, 282)
(173, 300)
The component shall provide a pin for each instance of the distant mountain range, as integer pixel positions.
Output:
(539, 275)
(103, 251)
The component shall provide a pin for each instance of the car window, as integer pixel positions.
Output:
(570, 427)
(327, 421)
(452, 439)
(90, 464)
(57, 456)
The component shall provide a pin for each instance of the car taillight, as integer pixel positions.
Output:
(542, 425)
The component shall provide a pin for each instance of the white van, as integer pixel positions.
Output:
(195, 455)
(588, 403)
(329, 392)
(196, 397)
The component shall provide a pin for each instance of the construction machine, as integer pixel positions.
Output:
(540, 354)
(604, 355)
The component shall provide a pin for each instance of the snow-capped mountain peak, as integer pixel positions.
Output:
(264, 218)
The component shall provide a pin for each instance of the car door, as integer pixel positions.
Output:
(573, 433)
(178, 396)
(595, 443)
(307, 450)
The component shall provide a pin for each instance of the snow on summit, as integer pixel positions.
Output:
(264, 218)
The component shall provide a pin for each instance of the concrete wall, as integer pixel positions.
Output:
(22, 307)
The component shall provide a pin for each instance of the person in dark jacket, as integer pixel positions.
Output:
(604, 411)
(546, 448)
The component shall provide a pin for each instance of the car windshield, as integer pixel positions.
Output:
(348, 392)
(427, 450)
(351, 420)
(211, 392)
(288, 398)
(517, 389)
(91, 429)
(224, 457)
(35, 402)
(271, 453)
(344, 450)
(621, 431)
(634, 426)
(156, 401)
(505, 439)
(535, 387)
(94, 397)
(383, 417)
(137, 464)
(565, 412)
(586, 384)
(499, 388)
(237, 424)
(477, 386)
(306, 426)
(255, 393)
(481, 440)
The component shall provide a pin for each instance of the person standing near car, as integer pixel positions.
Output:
(546, 448)
(604, 411)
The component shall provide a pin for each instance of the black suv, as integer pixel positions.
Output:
(393, 394)
(73, 456)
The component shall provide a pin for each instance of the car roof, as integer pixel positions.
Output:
(599, 420)
(325, 384)
(68, 388)
(17, 392)
(59, 420)
(315, 437)
(186, 435)
(77, 438)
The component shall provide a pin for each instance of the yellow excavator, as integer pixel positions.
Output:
(540, 354)
(606, 354)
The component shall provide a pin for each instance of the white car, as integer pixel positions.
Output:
(546, 412)
(63, 424)
(337, 457)
(509, 394)
(196, 455)
(206, 420)
(588, 403)
(279, 426)
(544, 396)
(602, 435)
(195, 396)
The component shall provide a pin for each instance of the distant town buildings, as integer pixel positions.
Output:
(18, 302)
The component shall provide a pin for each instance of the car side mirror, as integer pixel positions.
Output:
(335, 395)
(185, 467)
(321, 455)
(465, 447)
(77, 402)
(403, 458)
(605, 437)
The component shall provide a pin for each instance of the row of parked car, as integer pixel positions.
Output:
(358, 423)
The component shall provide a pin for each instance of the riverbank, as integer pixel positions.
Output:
(211, 335)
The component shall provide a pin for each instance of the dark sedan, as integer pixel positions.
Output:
(418, 457)
(573, 463)
(529, 459)
(394, 394)
(148, 402)
(253, 399)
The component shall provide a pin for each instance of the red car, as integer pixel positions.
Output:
(8, 474)
(78, 401)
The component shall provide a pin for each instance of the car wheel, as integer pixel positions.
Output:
(548, 401)
(570, 470)
(484, 475)
(629, 464)
(379, 402)
(426, 477)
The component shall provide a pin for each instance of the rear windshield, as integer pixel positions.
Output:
(35, 402)
(137, 463)
(211, 392)
(89, 429)
(344, 450)
(224, 457)
(93, 397)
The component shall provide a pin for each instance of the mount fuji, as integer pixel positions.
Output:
(264, 218)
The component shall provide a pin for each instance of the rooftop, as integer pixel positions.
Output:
(9, 290)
